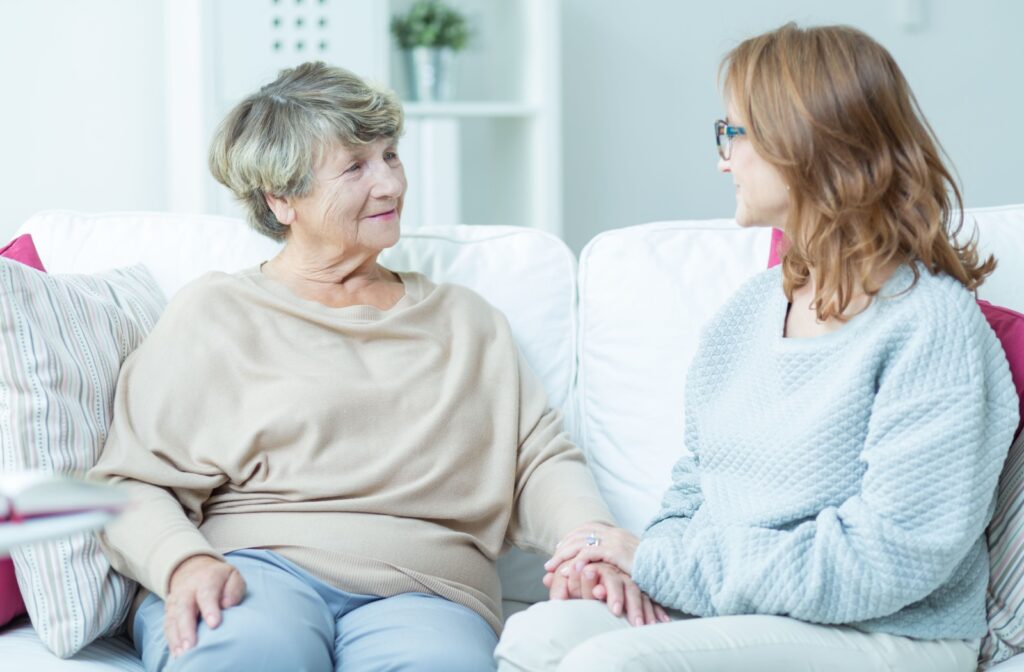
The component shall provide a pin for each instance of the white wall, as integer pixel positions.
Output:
(640, 96)
(82, 123)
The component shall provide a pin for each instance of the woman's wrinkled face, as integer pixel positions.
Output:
(762, 198)
(357, 198)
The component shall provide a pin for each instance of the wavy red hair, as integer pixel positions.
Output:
(829, 108)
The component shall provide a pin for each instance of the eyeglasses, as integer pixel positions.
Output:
(724, 134)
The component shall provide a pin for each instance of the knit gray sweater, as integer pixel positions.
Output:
(842, 479)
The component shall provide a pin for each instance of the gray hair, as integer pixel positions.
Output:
(272, 141)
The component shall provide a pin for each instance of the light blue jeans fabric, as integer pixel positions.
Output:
(291, 621)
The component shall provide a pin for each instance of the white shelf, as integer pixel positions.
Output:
(467, 110)
(492, 157)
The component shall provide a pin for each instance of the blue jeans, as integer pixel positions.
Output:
(291, 621)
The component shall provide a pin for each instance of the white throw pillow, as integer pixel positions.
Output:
(62, 341)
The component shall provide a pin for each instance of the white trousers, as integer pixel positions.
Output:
(582, 635)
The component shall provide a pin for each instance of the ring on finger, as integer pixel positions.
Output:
(593, 540)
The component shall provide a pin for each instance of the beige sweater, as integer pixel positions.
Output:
(384, 451)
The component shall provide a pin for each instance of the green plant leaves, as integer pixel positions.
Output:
(430, 23)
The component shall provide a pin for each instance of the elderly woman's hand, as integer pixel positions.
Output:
(593, 543)
(605, 582)
(199, 585)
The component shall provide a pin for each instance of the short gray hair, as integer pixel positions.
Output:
(271, 142)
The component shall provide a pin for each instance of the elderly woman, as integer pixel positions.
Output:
(327, 455)
(847, 413)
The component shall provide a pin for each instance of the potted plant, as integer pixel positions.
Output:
(429, 35)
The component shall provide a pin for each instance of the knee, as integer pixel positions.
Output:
(538, 638)
(256, 642)
(596, 655)
(418, 655)
(440, 658)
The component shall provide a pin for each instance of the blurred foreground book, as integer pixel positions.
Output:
(38, 507)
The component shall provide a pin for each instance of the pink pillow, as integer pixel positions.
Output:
(775, 252)
(11, 604)
(1009, 327)
(1005, 597)
(23, 250)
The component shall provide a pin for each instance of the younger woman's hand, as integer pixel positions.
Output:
(605, 582)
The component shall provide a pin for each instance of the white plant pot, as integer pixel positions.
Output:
(430, 73)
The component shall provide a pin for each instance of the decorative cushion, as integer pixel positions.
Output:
(775, 249)
(24, 250)
(1005, 599)
(11, 604)
(20, 249)
(62, 341)
(1009, 327)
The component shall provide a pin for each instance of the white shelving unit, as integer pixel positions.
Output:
(491, 156)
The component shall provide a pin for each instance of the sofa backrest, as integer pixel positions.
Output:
(645, 293)
(1001, 232)
(530, 275)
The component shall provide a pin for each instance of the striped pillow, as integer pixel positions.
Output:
(62, 341)
(20, 249)
(1005, 599)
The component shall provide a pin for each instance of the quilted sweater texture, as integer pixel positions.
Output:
(841, 479)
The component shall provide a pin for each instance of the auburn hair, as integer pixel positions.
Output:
(829, 108)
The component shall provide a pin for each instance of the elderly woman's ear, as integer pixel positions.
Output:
(282, 209)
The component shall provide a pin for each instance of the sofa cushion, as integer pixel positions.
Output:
(645, 293)
(20, 249)
(1005, 599)
(62, 341)
(11, 604)
(175, 248)
(528, 274)
(21, 649)
(1001, 232)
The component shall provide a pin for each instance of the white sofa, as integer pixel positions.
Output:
(611, 336)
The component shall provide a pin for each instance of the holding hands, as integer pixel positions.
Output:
(594, 562)
(596, 543)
